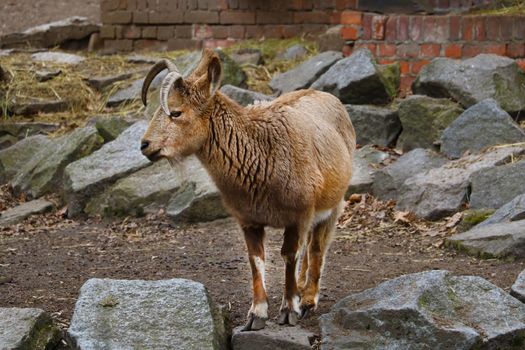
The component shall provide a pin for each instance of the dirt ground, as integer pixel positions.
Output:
(45, 260)
(18, 15)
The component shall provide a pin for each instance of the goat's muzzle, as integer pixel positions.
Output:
(151, 154)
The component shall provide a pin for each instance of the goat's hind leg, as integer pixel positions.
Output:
(293, 239)
(320, 240)
(258, 314)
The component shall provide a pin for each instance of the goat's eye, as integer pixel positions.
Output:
(175, 114)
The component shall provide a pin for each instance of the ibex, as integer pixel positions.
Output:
(285, 163)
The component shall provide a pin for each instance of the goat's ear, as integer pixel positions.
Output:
(214, 74)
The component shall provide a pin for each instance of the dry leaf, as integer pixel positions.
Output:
(454, 220)
(404, 216)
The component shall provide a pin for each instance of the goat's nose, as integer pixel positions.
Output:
(144, 145)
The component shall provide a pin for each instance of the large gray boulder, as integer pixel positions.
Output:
(374, 125)
(99, 83)
(135, 314)
(302, 76)
(512, 211)
(186, 192)
(518, 288)
(198, 199)
(244, 97)
(482, 125)
(131, 92)
(424, 119)
(388, 181)
(293, 52)
(91, 175)
(43, 173)
(22, 329)
(426, 310)
(110, 127)
(16, 214)
(272, 337)
(441, 191)
(359, 80)
(14, 157)
(473, 80)
(367, 161)
(51, 34)
(493, 188)
(498, 240)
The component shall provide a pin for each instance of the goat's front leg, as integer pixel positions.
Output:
(290, 310)
(258, 314)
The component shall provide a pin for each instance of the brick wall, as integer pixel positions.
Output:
(413, 40)
(175, 24)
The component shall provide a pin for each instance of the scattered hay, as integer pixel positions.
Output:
(85, 102)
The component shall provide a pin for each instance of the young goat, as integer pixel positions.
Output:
(285, 163)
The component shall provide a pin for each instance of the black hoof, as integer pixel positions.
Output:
(254, 323)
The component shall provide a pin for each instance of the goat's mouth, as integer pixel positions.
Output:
(154, 156)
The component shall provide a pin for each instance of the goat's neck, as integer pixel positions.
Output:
(233, 153)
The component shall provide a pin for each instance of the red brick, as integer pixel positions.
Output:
(386, 50)
(429, 50)
(435, 29)
(521, 63)
(116, 17)
(346, 4)
(167, 17)
(351, 17)
(480, 29)
(292, 30)
(309, 17)
(132, 32)
(295, 5)
(119, 32)
(140, 17)
(519, 27)
(335, 17)
(149, 32)
(492, 26)
(183, 31)
(408, 50)
(506, 28)
(391, 28)
(415, 67)
(497, 49)
(378, 27)
(453, 51)
(468, 28)
(367, 26)
(404, 67)
(107, 32)
(204, 31)
(470, 50)
(236, 32)
(165, 32)
(109, 5)
(200, 16)
(402, 28)
(416, 28)
(255, 31)
(268, 17)
(385, 61)
(514, 50)
(349, 33)
(273, 31)
(237, 17)
(455, 28)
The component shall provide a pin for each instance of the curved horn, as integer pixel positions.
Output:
(165, 88)
(154, 71)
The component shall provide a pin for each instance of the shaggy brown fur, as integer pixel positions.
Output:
(285, 163)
